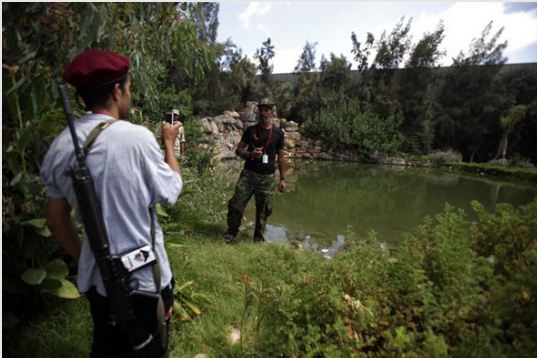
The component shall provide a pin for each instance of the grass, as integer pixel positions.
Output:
(496, 170)
(218, 271)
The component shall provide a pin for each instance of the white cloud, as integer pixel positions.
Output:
(261, 27)
(253, 9)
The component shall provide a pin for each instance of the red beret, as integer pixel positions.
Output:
(93, 68)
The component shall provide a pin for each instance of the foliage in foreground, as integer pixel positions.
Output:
(452, 287)
(448, 290)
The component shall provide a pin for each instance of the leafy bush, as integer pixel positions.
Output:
(439, 158)
(347, 126)
(438, 294)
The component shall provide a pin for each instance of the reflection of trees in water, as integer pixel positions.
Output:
(329, 196)
(325, 197)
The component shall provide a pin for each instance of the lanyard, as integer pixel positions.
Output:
(265, 146)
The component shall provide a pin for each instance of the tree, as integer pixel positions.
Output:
(507, 124)
(244, 80)
(471, 99)
(392, 48)
(38, 40)
(306, 62)
(376, 88)
(204, 16)
(323, 63)
(361, 55)
(416, 83)
(520, 88)
(264, 55)
(232, 54)
(336, 79)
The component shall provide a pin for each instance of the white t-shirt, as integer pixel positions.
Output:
(130, 176)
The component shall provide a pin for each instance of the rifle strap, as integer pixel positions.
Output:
(161, 312)
(95, 132)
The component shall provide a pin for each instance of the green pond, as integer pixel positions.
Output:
(324, 198)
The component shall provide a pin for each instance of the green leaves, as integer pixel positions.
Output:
(349, 126)
(51, 279)
(61, 288)
(34, 277)
(188, 302)
(56, 269)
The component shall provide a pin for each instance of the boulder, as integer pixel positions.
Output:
(249, 113)
(214, 129)
(289, 143)
(225, 119)
(294, 136)
(206, 125)
(233, 114)
(291, 126)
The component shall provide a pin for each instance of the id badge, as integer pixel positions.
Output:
(265, 159)
(138, 258)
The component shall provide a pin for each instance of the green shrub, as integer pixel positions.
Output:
(433, 296)
(347, 126)
(440, 158)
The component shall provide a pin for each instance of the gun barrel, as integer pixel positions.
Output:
(66, 103)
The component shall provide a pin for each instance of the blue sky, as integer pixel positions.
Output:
(291, 24)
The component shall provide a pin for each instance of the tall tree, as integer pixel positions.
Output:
(471, 99)
(305, 102)
(204, 16)
(361, 54)
(520, 87)
(264, 54)
(392, 48)
(377, 88)
(507, 124)
(306, 62)
(336, 80)
(415, 88)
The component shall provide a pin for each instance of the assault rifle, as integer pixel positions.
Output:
(114, 274)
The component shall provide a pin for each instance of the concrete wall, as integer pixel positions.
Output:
(506, 69)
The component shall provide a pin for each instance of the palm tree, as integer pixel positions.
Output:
(507, 124)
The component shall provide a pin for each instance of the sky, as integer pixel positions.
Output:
(291, 24)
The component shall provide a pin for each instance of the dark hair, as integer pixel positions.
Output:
(98, 96)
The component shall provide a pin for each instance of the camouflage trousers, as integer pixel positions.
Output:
(263, 187)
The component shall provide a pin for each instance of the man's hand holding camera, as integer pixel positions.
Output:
(169, 132)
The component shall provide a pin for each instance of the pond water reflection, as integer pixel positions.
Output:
(324, 198)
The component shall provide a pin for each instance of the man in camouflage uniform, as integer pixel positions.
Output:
(259, 146)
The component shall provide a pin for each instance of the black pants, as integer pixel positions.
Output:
(107, 339)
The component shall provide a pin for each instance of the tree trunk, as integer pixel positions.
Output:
(502, 146)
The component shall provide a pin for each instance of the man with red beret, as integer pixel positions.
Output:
(130, 174)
